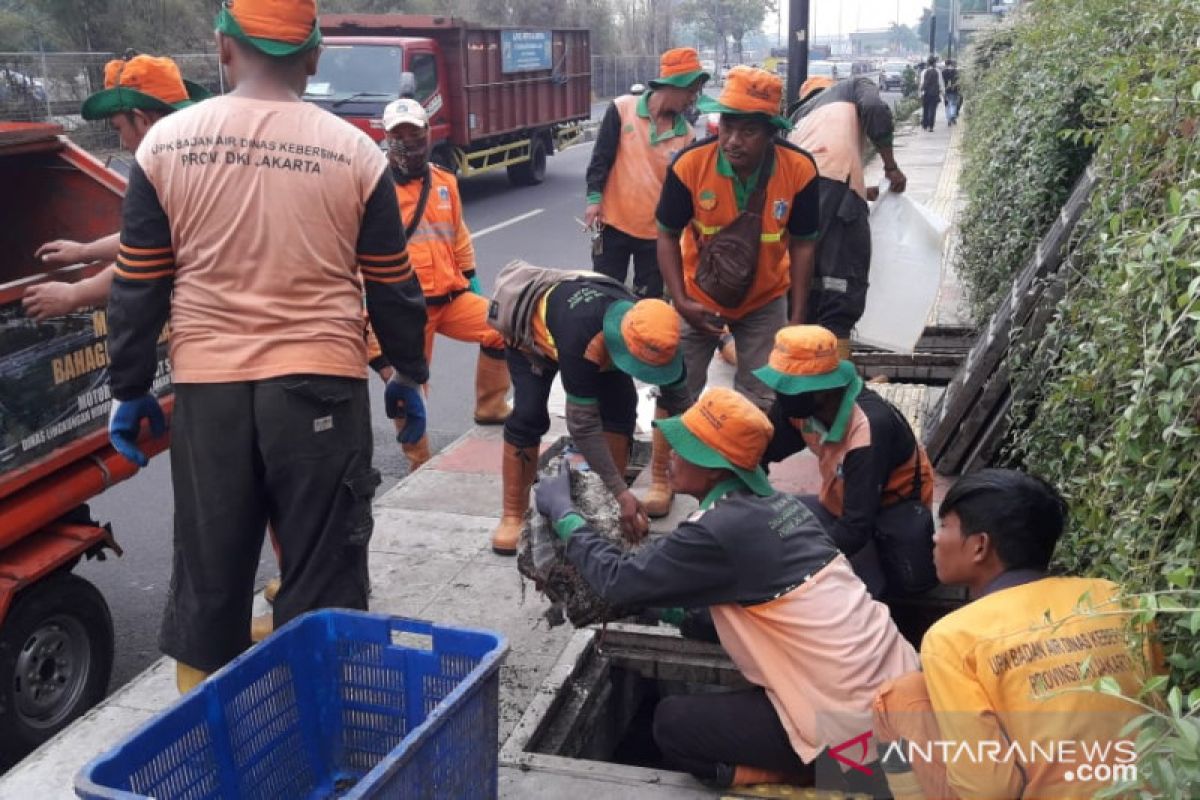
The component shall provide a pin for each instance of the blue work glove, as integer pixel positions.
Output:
(125, 423)
(553, 497)
(402, 401)
(475, 285)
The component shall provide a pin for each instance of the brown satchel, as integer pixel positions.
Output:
(729, 260)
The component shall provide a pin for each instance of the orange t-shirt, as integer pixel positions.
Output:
(265, 202)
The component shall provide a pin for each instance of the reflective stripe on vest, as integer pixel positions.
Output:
(712, 230)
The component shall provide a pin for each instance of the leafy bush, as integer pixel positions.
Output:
(1107, 400)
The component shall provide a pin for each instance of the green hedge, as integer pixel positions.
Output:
(1107, 402)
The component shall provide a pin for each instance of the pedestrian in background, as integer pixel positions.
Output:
(931, 90)
(953, 91)
(639, 136)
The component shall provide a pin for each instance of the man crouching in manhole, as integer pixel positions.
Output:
(787, 607)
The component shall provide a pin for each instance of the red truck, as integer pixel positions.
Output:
(56, 633)
(496, 97)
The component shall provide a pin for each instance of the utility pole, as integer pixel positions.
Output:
(933, 31)
(797, 48)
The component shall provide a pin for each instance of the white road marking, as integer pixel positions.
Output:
(506, 223)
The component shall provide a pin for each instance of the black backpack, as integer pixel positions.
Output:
(929, 81)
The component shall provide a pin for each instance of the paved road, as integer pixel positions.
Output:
(534, 223)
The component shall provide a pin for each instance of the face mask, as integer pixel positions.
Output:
(408, 161)
(799, 406)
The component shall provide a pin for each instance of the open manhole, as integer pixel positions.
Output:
(592, 718)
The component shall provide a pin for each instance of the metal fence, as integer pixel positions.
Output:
(52, 86)
(613, 75)
(38, 87)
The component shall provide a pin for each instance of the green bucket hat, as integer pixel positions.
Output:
(278, 43)
(643, 340)
(842, 375)
(724, 417)
(143, 83)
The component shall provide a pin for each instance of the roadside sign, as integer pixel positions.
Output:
(525, 51)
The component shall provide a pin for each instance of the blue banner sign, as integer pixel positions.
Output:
(525, 51)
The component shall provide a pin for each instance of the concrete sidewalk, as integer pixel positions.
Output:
(430, 558)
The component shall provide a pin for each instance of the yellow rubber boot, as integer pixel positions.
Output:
(491, 387)
(657, 500)
(844, 349)
(517, 470)
(188, 678)
(271, 590)
(417, 453)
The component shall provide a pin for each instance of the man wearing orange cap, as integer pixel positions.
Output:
(834, 122)
(876, 481)
(439, 245)
(256, 223)
(707, 199)
(599, 336)
(787, 607)
(138, 92)
(638, 138)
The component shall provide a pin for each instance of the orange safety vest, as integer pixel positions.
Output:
(901, 484)
(714, 205)
(440, 248)
(636, 177)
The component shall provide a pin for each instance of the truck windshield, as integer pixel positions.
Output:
(356, 70)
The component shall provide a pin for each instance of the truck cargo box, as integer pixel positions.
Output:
(54, 396)
(496, 81)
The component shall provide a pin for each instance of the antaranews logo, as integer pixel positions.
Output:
(861, 742)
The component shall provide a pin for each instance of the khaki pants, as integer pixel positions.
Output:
(903, 712)
(755, 337)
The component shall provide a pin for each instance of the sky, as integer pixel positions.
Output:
(851, 15)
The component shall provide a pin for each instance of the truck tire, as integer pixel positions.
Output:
(56, 654)
(533, 171)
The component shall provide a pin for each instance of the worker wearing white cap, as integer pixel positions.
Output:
(439, 246)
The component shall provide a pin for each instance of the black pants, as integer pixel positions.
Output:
(709, 735)
(843, 261)
(616, 248)
(929, 107)
(531, 381)
(294, 452)
(898, 560)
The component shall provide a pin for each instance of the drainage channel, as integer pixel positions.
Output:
(592, 717)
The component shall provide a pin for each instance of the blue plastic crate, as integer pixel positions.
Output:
(337, 704)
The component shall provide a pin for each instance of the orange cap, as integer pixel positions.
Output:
(805, 359)
(723, 430)
(643, 340)
(288, 21)
(679, 61)
(813, 84)
(156, 76)
(749, 90)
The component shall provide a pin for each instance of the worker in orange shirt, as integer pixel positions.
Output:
(440, 249)
(138, 91)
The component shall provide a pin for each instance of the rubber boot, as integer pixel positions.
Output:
(750, 776)
(491, 387)
(657, 500)
(187, 678)
(262, 626)
(417, 453)
(271, 590)
(843, 347)
(618, 446)
(517, 470)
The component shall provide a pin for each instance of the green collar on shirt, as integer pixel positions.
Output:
(842, 420)
(741, 190)
(720, 490)
(643, 111)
